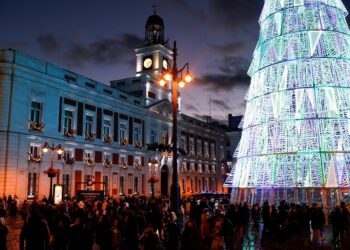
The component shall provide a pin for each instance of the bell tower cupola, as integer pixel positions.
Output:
(154, 29)
(154, 56)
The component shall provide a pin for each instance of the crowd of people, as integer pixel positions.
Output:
(203, 222)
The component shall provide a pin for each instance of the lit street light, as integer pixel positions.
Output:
(51, 171)
(172, 76)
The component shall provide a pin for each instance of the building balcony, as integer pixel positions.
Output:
(34, 158)
(107, 163)
(89, 136)
(70, 133)
(138, 144)
(35, 126)
(124, 141)
(107, 139)
(138, 166)
(89, 162)
(68, 160)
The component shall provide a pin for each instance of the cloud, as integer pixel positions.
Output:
(231, 72)
(234, 47)
(100, 52)
(234, 14)
(106, 51)
(221, 104)
(191, 106)
(49, 43)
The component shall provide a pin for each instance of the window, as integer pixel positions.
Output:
(191, 145)
(121, 185)
(122, 131)
(68, 153)
(199, 186)
(136, 184)
(184, 143)
(89, 123)
(212, 150)
(222, 155)
(200, 170)
(206, 152)
(66, 185)
(130, 186)
(88, 154)
(35, 112)
(153, 137)
(137, 134)
(32, 185)
(106, 127)
(87, 178)
(106, 184)
(199, 147)
(165, 136)
(183, 186)
(192, 185)
(68, 119)
(35, 151)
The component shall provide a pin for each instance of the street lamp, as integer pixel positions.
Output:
(173, 76)
(153, 164)
(51, 171)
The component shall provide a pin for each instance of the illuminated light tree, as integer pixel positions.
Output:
(296, 128)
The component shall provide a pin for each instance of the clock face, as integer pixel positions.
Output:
(165, 64)
(147, 63)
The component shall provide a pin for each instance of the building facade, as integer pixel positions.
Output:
(115, 138)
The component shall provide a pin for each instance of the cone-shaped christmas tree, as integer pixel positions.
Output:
(296, 129)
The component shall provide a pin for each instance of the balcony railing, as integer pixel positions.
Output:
(68, 132)
(138, 166)
(36, 126)
(68, 160)
(124, 141)
(34, 158)
(107, 163)
(107, 139)
(138, 144)
(89, 136)
(89, 162)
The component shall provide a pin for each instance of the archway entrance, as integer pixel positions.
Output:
(164, 181)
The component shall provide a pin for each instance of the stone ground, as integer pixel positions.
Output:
(251, 241)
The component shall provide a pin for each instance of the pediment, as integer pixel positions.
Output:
(162, 107)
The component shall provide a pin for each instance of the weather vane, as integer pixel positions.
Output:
(154, 9)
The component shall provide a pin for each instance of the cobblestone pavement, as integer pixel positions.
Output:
(14, 225)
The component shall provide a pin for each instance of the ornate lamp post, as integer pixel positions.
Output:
(51, 171)
(172, 76)
(153, 164)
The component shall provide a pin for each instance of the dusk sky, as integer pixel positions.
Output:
(97, 39)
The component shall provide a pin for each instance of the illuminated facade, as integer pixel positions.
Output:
(109, 132)
(296, 129)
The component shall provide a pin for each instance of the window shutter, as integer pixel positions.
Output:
(98, 156)
(78, 154)
(78, 179)
(115, 130)
(60, 115)
(188, 143)
(130, 160)
(143, 133)
(80, 118)
(131, 128)
(99, 123)
(195, 144)
(115, 159)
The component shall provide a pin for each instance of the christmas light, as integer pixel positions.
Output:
(296, 129)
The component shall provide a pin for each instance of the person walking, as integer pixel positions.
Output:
(35, 234)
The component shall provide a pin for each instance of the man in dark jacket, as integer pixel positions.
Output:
(35, 233)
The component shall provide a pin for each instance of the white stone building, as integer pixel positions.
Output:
(107, 132)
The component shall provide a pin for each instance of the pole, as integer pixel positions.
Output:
(52, 158)
(175, 199)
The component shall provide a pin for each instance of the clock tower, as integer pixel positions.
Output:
(153, 56)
